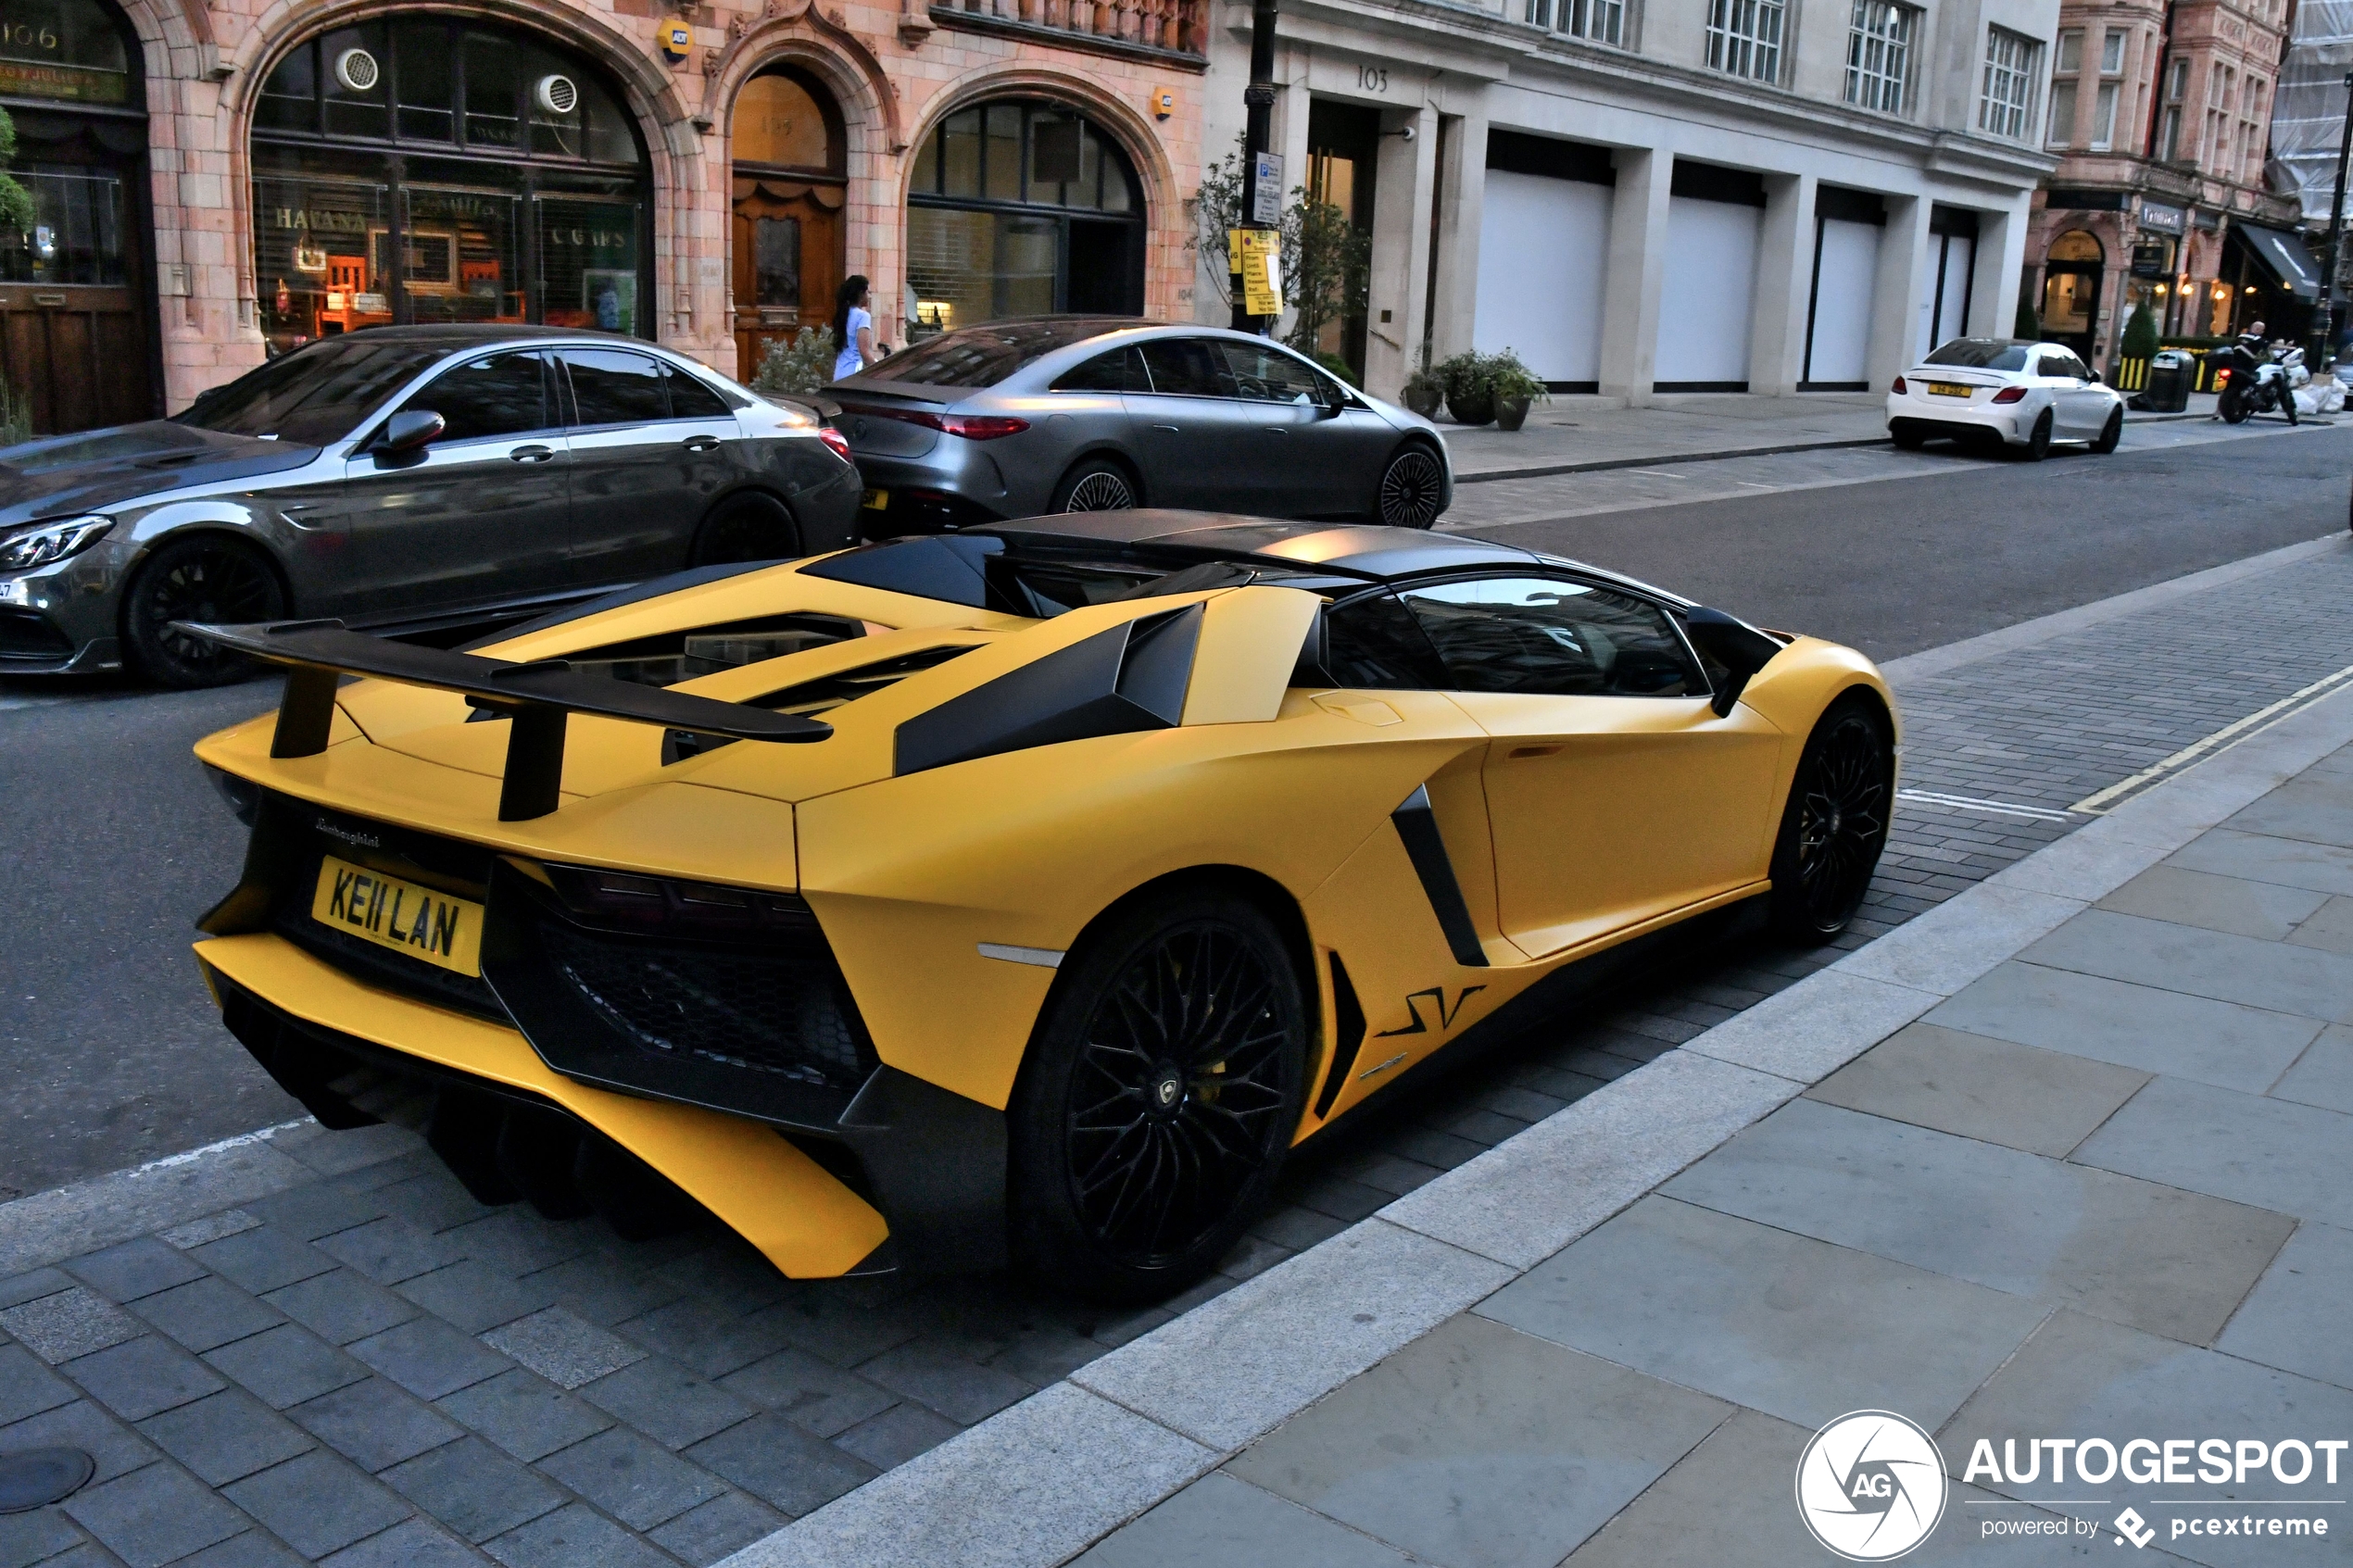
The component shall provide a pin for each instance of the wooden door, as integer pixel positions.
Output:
(787, 263)
(77, 355)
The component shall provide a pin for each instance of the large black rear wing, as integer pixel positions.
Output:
(539, 695)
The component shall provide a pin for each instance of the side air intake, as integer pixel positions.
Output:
(1129, 678)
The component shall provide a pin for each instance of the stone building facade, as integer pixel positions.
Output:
(222, 181)
(2160, 195)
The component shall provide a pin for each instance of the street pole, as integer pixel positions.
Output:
(1258, 98)
(2337, 228)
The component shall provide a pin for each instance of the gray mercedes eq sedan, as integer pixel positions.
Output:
(1076, 413)
(401, 479)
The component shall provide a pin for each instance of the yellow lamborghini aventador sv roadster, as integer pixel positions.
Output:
(1023, 894)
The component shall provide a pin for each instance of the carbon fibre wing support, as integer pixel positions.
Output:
(538, 694)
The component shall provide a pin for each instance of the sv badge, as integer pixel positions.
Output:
(1437, 996)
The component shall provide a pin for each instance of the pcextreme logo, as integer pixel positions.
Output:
(1871, 1486)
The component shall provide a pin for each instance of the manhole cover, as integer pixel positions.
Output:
(36, 1476)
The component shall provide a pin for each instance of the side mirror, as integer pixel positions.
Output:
(2093, 376)
(1738, 646)
(411, 430)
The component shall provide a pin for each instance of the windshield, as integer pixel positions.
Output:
(316, 395)
(984, 355)
(1982, 354)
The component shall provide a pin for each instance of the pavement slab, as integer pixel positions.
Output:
(1218, 1521)
(2291, 1159)
(2294, 1318)
(1783, 1324)
(2171, 1261)
(2323, 1074)
(1479, 1444)
(2000, 1092)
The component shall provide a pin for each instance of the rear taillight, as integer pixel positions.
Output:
(972, 427)
(686, 909)
(2010, 394)
(2221, 380)
(834, 441)
(1899, 389)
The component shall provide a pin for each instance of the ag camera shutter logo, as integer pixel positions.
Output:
(1871, 1486)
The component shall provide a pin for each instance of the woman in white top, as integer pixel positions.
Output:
(853, 328)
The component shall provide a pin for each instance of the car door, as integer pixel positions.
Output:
(1194, 431)
(1616, 793)
(648, 457)
(2054, 373)
(481, 515)
(1283, 400)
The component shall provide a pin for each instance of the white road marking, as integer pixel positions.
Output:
(1970, 803)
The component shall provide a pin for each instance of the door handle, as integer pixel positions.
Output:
(1276, 430)
(533, 454)
(1521, 753)
(701, 443)
(1170, 429)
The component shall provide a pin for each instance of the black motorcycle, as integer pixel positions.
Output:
(2252, 383)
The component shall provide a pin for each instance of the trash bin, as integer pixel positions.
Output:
(2172, 373)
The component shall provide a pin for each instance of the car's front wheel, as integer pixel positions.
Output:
(209, 579)
(1834, 826)
(745, 528)
(2111, 433)
(1412, 488)
(1098, 484)
(1158, 1098)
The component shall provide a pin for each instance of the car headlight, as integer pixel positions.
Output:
(52, 541)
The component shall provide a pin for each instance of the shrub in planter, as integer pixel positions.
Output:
(798, 369)
(1469, 381)
(1424, 390)
(1516, 386)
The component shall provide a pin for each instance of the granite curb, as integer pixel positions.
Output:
(1227, 1371)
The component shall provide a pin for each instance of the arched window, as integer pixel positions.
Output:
(786, 141)
(427, 169)
(66, 50)
(1022, 207)
(781, 123)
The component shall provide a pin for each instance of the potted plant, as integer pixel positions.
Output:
(1468, 378)
(1516, 386)
(1424, 390)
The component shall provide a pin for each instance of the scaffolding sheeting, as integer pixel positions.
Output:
(2308, 111)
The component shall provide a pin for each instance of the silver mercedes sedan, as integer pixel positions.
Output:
(1082, 413)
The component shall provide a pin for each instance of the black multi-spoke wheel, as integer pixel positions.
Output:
(1835, 824)
(1159, 1098)
(1412, 488)
(746, 528)
(1095, 486)
(204, 579)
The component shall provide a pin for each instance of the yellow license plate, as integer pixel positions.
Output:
(423, 923)
(875, 500)
(1946, 389)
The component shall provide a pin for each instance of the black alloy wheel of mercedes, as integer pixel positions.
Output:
(1834, 826)
(1158, 1099)
(206, 578)
(746, 528)
(1411, 488)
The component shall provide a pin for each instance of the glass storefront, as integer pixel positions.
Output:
(1022, 207)
(426, 170)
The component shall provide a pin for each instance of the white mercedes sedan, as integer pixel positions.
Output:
(2006, 392)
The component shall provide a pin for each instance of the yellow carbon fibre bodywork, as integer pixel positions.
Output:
(807, 1223)
(911, 875)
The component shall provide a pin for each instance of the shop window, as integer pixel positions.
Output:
(62, 49)
(1019, 207)
(77, 235)
(428, 171)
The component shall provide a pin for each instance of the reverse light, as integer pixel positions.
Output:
(1899, 389)
(972, 427)
(836, 442)
(2010, 394)
(52, 541)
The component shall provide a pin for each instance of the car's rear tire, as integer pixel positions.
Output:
(1908, 437)
(2111, 433)
(1412, 487)
(748, 527)
(1835, 824)
(1096, 485)
(1158, 1098)
(2038, 440)
(205, 577)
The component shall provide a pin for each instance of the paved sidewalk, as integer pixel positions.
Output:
(1573, 433)
(2062, 1159)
